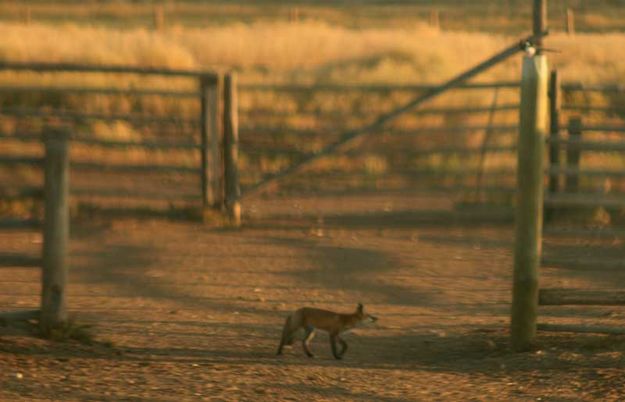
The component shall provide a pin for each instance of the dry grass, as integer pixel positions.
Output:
(306, 51)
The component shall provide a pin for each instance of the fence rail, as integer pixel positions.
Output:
(371, 88)
(98, 91)
(114, 69)
(71, 115)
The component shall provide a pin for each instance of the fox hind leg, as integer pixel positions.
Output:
(310, 334)
(287, 336)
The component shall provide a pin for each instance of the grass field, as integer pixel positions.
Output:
(306, 52)
(499, 16)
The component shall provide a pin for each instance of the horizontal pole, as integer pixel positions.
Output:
(20, 160)
(256, 150)
(42, 67)
(68, 115)
(577, 86)
(581, 200)
(22, 137)
(83, 139)
(586, 264)
(612, 129)
(451, 130)
(445, 150)
(13, 316)
(370, 88)
(249, 130)
(580, 297)
(19, 260)
(604, 146)
(103, 167)
(566, 171)
(589, 329)
(9, 223)
(134, 194)
(442, 189)
(586, 108)
(595, 233)
(100, 91)
(412, 172)
(135, 144)
(18, 193)
(267, 112)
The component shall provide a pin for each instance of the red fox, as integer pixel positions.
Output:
(311, 319)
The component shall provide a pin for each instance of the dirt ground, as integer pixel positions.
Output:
(195, 313)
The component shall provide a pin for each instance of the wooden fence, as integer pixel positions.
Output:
(283, 124)
(419, 150)
(586, 146)
(53, 310)
(200, 134)
(464, 144)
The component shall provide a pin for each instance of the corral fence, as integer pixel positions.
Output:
(586, 191)
(464, 143)
(37, 139)
(586, 146)
(141, 143)
(158, 145)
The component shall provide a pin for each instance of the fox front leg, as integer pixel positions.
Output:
(310, 334)
(333, 339)
(343, 345)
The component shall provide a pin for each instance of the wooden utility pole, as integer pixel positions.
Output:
(231, 149)
(55, 230)
(539, 21)
(529, 209)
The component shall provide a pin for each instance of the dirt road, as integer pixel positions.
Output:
(195, 313)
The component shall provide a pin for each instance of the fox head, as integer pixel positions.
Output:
(363, 317)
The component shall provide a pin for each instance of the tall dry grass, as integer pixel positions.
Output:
(307, 51)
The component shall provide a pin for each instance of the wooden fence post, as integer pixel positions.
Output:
(435, 18)
(573, 154)
(212, 195)
(55, 229)
(529, 209)
(555, 104)
(570, 21)
(27, 15)
(231, 149)
(158, 17)
(294, 14)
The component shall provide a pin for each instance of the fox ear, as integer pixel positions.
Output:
(360, 307)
